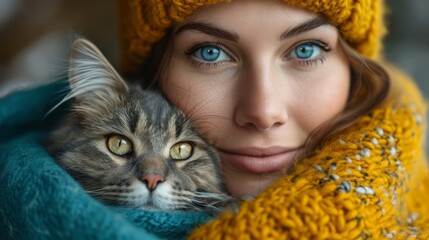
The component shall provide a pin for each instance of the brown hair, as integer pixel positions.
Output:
(158, 59)
(370, 84)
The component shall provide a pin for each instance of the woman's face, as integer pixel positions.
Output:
(256, 77)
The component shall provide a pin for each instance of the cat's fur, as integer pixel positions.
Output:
(104, 105)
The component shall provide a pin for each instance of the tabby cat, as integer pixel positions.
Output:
(128, 146)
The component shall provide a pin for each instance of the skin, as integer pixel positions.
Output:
(272, 83)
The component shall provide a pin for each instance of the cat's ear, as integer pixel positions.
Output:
(94, 83)
(91, 74)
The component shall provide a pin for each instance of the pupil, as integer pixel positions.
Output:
(304, 51)
(121, 142)
(210, 53)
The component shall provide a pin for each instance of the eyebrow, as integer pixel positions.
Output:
(304, 27)
(209, 29)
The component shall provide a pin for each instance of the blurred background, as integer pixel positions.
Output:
(35, 36)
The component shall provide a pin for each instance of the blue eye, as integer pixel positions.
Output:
(211, 53)
(306, 51)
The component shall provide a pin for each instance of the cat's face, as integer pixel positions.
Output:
(131, 147)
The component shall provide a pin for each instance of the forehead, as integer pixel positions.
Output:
(255, 22)
(239, 12)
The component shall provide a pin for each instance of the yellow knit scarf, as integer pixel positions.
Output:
(369, 182)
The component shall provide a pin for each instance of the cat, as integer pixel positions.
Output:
(130, 147)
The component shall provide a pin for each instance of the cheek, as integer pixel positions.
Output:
(323, 99)
(198, 93)
(199, 97)
(193, 99)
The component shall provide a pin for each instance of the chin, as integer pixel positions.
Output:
(245, 186)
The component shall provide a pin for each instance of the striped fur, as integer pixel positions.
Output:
(104, 105)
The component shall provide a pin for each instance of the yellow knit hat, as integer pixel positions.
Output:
(144, 22)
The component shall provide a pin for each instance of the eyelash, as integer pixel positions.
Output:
(309, 62)
(197, 45)
(306, 62)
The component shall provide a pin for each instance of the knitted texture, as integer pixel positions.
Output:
(144, 22)
(39, 200)
(371, 181)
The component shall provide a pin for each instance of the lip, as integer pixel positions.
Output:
(259, 160)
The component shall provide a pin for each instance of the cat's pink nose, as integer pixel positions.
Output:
(151, 180)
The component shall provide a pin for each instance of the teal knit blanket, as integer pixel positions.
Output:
(39, 200)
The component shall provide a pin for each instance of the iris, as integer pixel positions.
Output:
(209, 53)
(304, 51)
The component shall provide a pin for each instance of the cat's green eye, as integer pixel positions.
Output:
(181, 151)
(119, 145)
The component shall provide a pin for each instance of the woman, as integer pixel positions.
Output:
(327, 141)
(267, 83)
(257, 97)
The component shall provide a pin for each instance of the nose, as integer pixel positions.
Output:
(152, 180)
(260, 102)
